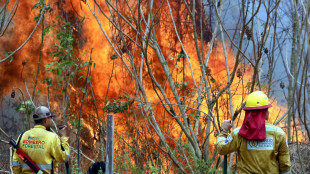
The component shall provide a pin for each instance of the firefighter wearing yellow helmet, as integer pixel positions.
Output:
(262, 147)
(41, 145)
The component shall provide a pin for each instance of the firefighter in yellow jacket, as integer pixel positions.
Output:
(262, 148)
(42, 145)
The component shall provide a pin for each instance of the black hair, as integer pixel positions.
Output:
(39, 121)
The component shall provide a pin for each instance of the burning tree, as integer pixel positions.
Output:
(171, 71)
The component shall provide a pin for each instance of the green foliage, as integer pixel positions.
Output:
(64, 50)
(66, 66)
(130, 18)
(74, 122)
(154, 170)
(264, 87)
(119, 105)
(192, 93)
(48, 81)
(48, 29)
(213, 80)
(248, 86)
(26, 106)
(182, 85)
(200, 165)
(181, 55)
(11, 57)
(100, 171)
(40, 4)
(74, 168)
(114, 56)
(125, 164)
(82, 19)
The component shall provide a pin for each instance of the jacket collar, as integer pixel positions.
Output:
(40, 126)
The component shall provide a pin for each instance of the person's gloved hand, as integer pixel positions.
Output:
(226, 125)
(63, 132)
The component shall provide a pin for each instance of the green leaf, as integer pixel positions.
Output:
(37, 17)
(181, 55)
(88, 79)
(25, 106)
(84, 90)
(68, 62)
(48, 81)
(212, 80)
(11, 57)
(49, 65)
(58, 16)
(82, 19)
(49, 9)
(80, 77)
(59, 71)
(72, 74)
(35, 6)
(46, 30)
(68, 104)
(67, 24)
(114, 56)
(21, 109)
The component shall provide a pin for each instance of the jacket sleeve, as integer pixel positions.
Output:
(60, 149)
(17, 169)
(284, 156)
(226, 143)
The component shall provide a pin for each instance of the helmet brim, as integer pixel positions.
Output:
(257, 108)
(53, 115)
(37, 117)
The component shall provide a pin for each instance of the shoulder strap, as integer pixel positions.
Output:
(52, 171)
(20, 137)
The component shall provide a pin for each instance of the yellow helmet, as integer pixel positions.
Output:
(257, 100)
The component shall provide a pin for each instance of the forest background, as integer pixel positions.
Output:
(169, 70)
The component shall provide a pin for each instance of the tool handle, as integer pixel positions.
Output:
(12, 142)
(67, 167)
(225, 165)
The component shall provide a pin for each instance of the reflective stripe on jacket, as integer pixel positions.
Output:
(43, 147)
(261, 156)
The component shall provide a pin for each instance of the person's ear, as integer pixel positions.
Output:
(45, 120)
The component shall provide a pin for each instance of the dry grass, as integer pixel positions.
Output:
(304, 153)
(4, 157)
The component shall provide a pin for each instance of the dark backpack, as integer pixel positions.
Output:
(93, 169)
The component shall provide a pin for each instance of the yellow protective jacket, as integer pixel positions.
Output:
(261, 156)
(42, 147)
